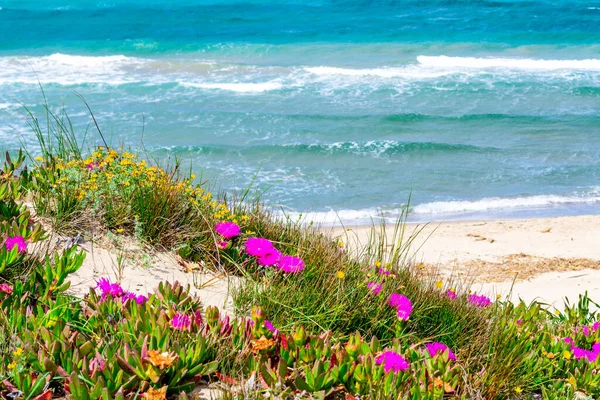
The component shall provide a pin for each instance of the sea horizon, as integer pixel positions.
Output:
(343, 110)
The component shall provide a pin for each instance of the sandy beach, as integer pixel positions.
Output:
(547, 258)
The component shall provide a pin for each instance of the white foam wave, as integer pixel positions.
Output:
(405, 72)
(346, 217)
(509, 63)
(237, 87)
(497, 203)
(69, 69)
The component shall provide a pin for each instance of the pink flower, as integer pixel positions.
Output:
(436, 348)
(596, 326)
(479, 301)
(383, 271)
(375, 287)
(91, 166)
(18, 241)
(180, 321)
(291, 264)
(392, 361)
(97, 363)
(270, 327)
(519, 322)
(451, 294)
(222, 244)
(590, 355)
(568, 340)
(6, 288)
(402, 304)
(270, 258)
(585, 330)
(109, 289)
(139, 299)
(258, 247)
(227, 229)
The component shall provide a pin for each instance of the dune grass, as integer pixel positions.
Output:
(320, 326)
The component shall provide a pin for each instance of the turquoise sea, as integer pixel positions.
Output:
(479, 109)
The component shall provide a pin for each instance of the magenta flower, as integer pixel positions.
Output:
(258, 247)
(139, 299)
(568, 340)
(227, 229)
(392, 361)
(451, 294)
(291, 264)
(18, 241)
(6, 288)
(590, 355)
(585, 330)
(375, 287)
(479, 301)
(270, 327)
(436, 348)
(383, 271)
(596, 326)
(402, 304)
(91, 166)
(109, 289)
(270, 258)
(198, 318)
(180, 321)
(222, 244)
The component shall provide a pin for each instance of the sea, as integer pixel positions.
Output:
(333, 109)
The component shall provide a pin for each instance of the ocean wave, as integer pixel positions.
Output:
(237, 86)
(498, 203)
(67, 69)
(362, 148)
(469, 63)
(410, 71)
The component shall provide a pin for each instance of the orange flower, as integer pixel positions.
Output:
(261, 344)
(156, 394)
(160, 360)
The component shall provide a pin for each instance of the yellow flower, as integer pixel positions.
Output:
(387, 265)
(518, 389)
(18, 352)
(120, 230)
(341, 244)
(498, 296)
(341, 274)
(193, 176)
(557, 312)
(39, 159)
(10, 366)
(567, 354)
(439, 284)
(420, 265)
(378, 264)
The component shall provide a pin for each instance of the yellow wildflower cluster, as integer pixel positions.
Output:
(108, 171)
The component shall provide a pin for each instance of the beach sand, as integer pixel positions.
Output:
(546, 258)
